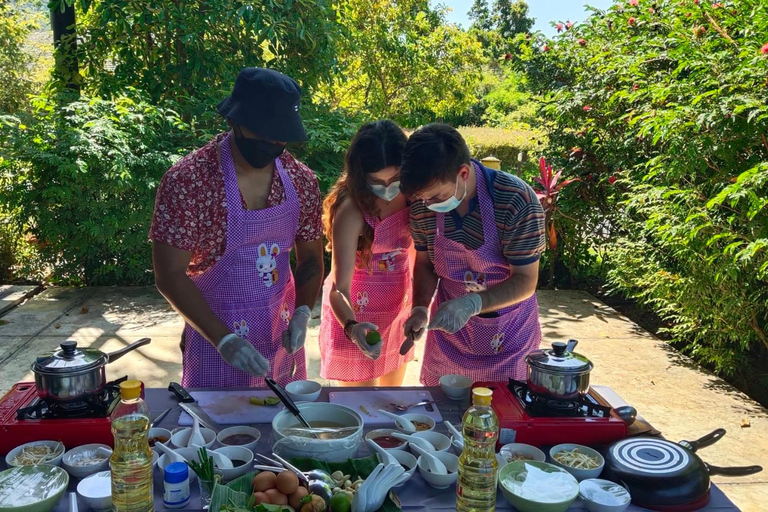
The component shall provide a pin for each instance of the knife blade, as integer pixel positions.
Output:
(191, 407)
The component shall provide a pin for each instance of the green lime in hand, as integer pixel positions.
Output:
(373, 338)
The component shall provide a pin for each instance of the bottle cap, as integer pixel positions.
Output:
(130, 389)
(482, 396)
(176, 472)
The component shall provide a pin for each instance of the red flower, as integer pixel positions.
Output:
(764, 49)
(631, 21)
(587, 108)
(717, 5)
(687, 15)
(568, 25)
(559, 27)
(635, 87)
(546, 48)
(582, 42)
(634, 3)
(651, 10)
(696, 2)
(589, 176)
(612, 180)
(507, 56)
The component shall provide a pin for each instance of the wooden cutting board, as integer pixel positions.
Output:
(374, 400)
(233, 408)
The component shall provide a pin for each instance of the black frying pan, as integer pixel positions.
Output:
(660, 474)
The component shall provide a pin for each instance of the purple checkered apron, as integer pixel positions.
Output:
(250, 288)
(380, 295)
(486, 349)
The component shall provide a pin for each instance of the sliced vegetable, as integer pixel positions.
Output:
(575, 459)
(267, 400)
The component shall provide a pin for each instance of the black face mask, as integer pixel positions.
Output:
(258, 153)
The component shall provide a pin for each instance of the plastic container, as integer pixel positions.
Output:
(131, 461)
(478, 467)
(176, 485)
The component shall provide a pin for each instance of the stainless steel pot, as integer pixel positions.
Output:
(558, 373)
(70, 373)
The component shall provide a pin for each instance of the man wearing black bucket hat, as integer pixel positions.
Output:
(226, 219)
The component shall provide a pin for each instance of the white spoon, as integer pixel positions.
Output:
(172, 455)
(413, 440)
(384, 456)
(221, 461)
(458, 438)
(401, 422)
(105, 452)
(73, 502)
(196, 437)
(436, 466)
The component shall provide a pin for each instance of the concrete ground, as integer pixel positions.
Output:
(675, 395)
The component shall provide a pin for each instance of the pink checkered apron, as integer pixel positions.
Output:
(250, 288)
(486, 349)
(380, 295)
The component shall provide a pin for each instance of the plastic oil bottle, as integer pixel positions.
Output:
(131, 461)
(478, 468)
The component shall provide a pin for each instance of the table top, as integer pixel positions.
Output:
(416, 495)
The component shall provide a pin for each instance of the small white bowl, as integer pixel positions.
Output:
(96, 491)
(69, 462)
(603, 496)
(231, 431)
(181, 438)
(56, 461)
(387, 432)
(408, 461)
(508, 451)
(303, 390)
(439, 441)
(440, 481)
(161, 433)
(456, 387)
(190, 454)
(579, 474)
(418, 417)
(236, 453)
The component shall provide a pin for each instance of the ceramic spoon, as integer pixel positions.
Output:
(171, 454)
(457, 437)
(436, 466)
(421, 443)
(384, 456)
(196, 437)
(73, 502)
(359, 501)
(401, 422)
(221, 461)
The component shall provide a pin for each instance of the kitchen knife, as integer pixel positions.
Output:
(407, 344)
(192, 408)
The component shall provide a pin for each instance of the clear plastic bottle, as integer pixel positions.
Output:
(478, 468)
(131, 461)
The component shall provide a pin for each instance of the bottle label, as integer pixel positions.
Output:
(178, 494)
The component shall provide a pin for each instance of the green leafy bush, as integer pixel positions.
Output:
(15, 83)
(661, 109)
(503, 143)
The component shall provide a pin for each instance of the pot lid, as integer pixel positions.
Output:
(69, 359)
(559, 359)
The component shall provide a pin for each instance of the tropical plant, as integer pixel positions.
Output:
(15, 83)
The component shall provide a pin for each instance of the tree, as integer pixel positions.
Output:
(403, 61)
(14, 61)
(496, 27)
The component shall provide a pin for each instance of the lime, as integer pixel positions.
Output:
(272, 400)
(373, 338)
(269, 400)
(341, 502)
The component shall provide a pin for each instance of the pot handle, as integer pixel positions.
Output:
(117, 354)
(703, 442)
(571, 345)
(734, 471)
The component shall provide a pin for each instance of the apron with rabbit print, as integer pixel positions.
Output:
(381, 296)
(486, 349)
(251, 288)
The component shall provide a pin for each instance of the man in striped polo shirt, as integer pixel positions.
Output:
(479, 234)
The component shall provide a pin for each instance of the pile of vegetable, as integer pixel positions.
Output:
(576, 459)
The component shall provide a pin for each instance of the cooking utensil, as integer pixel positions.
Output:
(407, 344)
(384, 456)
(403, 408)
(436, 466)
(290, 467)
(191, 407)
(196, 437)
(558, 373)
(627, 413)
(413, 440)
(288, 402)
(660, 473)
(401, 422)
(160, 417)
(172, 455)
(70, 373)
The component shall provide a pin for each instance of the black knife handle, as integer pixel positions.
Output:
(180, 393)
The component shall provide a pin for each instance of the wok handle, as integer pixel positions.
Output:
(703, 442)
(117, 354)
(734, 471)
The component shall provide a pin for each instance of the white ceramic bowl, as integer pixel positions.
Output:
(603, 496)
(439, 441)
(579, 474)
(56, 461)
(236, 453)
(440, 481)
(418, 417)
(387, 432)
(406, 460)
(161, 433)
(326, 450)
(456, 387)
(230, 431)
(303, 390)
(456, 445)
(71, 458)
(190, 454)
(508, 451)
(96, 491)
(181, 438)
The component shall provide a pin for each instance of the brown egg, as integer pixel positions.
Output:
(260, 497)
(294, 499)
(263, 481)
(287, 483)
(276, 497)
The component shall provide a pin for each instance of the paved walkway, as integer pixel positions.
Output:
(679, 398)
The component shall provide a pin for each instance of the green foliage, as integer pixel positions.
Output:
(497, 26)
(81, 179)
(15, 83)
(504, 144)
(403, 61)
(661, 109)
(509, 105)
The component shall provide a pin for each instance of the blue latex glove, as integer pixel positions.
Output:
(451, 316)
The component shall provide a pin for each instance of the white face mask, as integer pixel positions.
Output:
(387, 193)
(452, 202)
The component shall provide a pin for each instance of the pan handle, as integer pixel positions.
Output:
(703, 442)
(117, 354)
(734, 471)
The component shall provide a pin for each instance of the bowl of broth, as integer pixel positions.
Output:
(335, 436)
